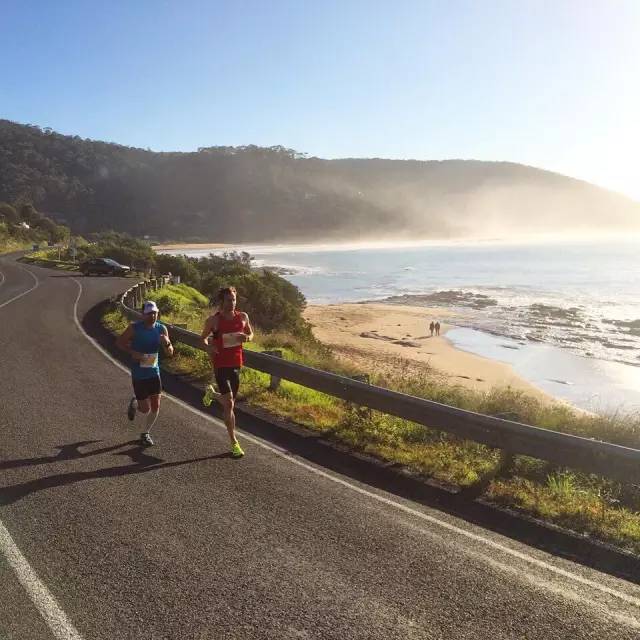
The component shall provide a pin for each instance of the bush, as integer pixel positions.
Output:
(122, 248)
(180, 299)
(179, 266)
(42, 229)
(8, 214)
(273, 303)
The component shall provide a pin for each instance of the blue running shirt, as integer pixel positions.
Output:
(146, 341)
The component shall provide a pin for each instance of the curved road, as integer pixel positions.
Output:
(102, 539)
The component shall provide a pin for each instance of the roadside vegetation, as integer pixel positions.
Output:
(21, 226)
(588, 504)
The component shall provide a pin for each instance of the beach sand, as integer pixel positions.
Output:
(388, 334)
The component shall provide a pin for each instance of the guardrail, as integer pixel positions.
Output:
(592, 456)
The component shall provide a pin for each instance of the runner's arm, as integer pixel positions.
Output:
(166, 342)
(248, 331)
(210, 326)
(124, 342)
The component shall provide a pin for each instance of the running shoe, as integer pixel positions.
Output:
(131, 411)
(209, 395)
(145, 439)
(236, 450)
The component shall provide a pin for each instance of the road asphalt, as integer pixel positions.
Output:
(100, 538)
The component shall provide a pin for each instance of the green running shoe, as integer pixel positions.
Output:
(209, 395)
(236, 450)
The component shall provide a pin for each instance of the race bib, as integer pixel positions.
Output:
(149, 360)
(231, 339)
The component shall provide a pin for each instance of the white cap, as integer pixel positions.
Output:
(149, 307)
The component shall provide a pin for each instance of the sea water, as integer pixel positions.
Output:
(565, 315)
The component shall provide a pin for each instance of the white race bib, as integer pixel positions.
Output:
(231, 339)
(149, 360)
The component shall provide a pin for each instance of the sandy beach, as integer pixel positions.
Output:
(387, 334)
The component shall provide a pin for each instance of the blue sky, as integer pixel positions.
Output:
(552, 84)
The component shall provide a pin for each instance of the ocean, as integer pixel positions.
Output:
(566, 316)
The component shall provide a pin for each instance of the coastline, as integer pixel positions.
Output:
(389, 336)
(188, 246)
(556, 339)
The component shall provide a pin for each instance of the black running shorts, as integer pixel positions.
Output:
(142, 389)
(228, 380)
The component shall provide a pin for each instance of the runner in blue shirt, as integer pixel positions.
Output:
(142, 340)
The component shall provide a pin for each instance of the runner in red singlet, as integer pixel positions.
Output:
(230, 329)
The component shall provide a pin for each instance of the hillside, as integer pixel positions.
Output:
(276, 194)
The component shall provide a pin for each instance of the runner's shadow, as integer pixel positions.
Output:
(67, 452)
(142, 463)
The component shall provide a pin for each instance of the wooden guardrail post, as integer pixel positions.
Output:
(475, 490)
(275, 381)
(364, 411)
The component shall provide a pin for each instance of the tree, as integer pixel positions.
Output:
(61, 233)
(179, 266)
(29, 214)
(8, 214)
(47, 225)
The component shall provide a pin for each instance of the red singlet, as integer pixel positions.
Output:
(231, 356)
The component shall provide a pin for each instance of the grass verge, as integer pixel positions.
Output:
(46, 258)
(8, 246)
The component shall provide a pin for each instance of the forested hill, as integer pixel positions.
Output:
(275, 194)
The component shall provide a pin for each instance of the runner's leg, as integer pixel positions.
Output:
(229, 416)
(227, 380)
(154, 410)
(144, 409)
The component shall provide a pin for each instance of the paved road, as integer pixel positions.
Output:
(101, 539)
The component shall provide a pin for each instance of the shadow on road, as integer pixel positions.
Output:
(66, 452)
(142, 462)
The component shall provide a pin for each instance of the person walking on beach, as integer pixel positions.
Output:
(431, 328)
(142, 340)
(230, 328)
(437, 328)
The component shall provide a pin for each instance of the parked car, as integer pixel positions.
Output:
(103, 266)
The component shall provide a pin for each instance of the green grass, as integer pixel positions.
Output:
(48, 258)
(115, 321)
(585, 503)
(8, 245)
(571, 501)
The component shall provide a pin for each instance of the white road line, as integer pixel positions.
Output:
(53, 615)
(541, 564)
(56, 619)
(1, 276)
(24, 293)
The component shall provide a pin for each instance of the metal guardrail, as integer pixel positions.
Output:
(592, 456)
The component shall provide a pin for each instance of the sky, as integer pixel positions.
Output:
(552, 84)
